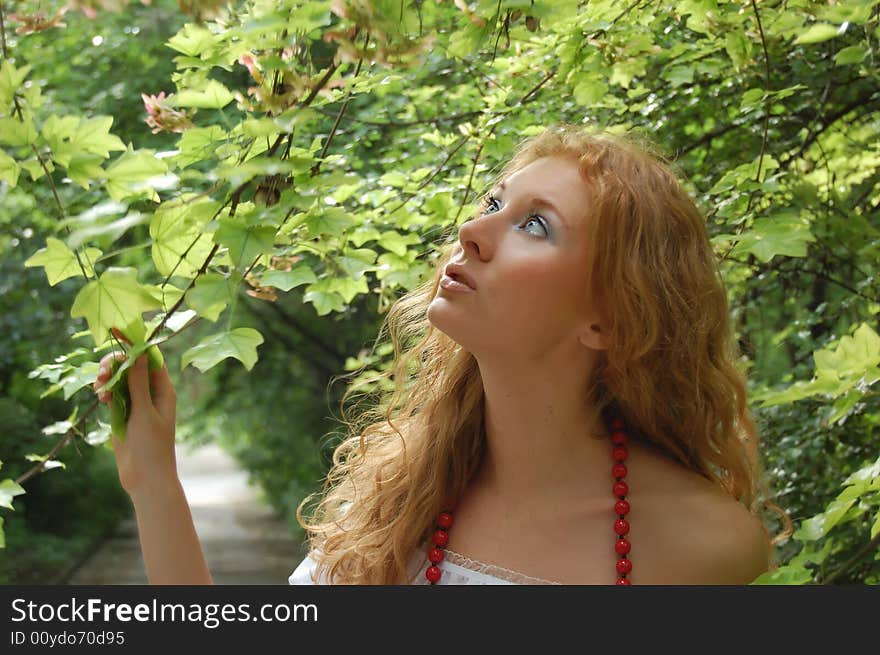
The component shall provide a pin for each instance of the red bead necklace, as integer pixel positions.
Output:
(619, 454)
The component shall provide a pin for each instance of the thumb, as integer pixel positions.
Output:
(138, 385)
(164, 396)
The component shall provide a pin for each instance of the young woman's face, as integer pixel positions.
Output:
(526, 253)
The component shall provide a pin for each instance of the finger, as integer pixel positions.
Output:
(104, 364)
(164, 396)
(114, 354)
(138, 385)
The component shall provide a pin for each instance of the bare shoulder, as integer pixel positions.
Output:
(735, 544)
(700, 534)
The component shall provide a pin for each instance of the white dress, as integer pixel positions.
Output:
(456, 570)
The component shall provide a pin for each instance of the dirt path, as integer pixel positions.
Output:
(243, 540)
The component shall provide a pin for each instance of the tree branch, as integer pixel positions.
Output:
(867, 548)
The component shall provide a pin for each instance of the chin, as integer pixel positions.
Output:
(441, 320)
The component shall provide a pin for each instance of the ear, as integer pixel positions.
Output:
(593, 336)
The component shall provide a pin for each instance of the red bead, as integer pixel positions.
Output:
(618, 438)
(433, 574)
(618, 470)
(624, 565)
(621, 507)
(445, 520)
(620, 488)
(435, 555)
(617, 424)
(624, 581)
(441, 537)
(621, 526)
(619, 454)
(622, 547)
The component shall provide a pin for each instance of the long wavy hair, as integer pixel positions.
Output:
(671, 370)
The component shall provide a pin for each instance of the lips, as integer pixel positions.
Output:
(457, 272)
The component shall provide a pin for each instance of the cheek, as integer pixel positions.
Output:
(536, 291)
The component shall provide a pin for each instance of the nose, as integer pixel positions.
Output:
(473, 234)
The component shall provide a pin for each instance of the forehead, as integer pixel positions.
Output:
(555, 179)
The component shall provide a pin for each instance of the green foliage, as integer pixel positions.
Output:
(323, 150)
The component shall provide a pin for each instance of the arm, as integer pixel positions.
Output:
(169, 543)
(147, 467)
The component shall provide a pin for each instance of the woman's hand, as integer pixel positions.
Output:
(145, 457)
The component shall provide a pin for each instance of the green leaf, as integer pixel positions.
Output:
(8, 490)
(9, 170)
(245, 242)
(679, 75)
(867, 477)
(348, 288)
(309, 16)
(48, 464)
(2, 534)
(214, 95)
(240, 344)
(854, 361)
(784, 234)
(820, 32)
(464, 42)
(324, 299)
(14, 132)
(854, 54)
(211, 294)
(331, 221)
(116, 299)
(784, 575)
(590, 91)
(180, 243)
(194, 40)
(737, 46)
(397, 242)
(83, 168)
(60, 261)
(11, 79)
(259, 127)
(70, 136)
(198, 144)
(357, 262)
(818, 526)
(131, 174)
(93, 135)
(751, 98)
(853, 356)
(331, 294)
(287, 280)
(34, 168)
(238, 174)
(393, 178)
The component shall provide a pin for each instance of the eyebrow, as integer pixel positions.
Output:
(545, 203)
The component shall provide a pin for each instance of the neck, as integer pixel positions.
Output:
(544, 442)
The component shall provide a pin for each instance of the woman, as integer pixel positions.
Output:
(567, 405)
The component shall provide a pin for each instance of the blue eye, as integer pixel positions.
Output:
(490, 201)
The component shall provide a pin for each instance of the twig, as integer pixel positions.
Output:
(317, 167)
(528, 97)
(741, 226)
(471, 176)
(867, 548)
(766, 99)
(24, 477)
(435, 172)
